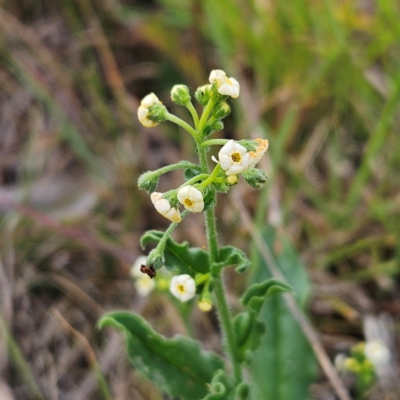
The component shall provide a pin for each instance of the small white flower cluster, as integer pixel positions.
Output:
(235, 158)
(189, 196)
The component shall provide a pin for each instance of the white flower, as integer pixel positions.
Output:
(164, 208)
(143, 110)
(340, 362)
(255, 156)
(217, 75)
(143, 284)
(191, 198)
(183, 287)
(377, 352)
(234, 158)
(135, 269)
(226, 86)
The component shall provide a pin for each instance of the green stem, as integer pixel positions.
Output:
(183, 124)
(214, 142)
(167, 233)
(194, 180)
(172, 167)
(194, 114)
(220, 298)
(211, 178)
(210, 105)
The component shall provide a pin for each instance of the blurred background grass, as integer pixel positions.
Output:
(319, 79)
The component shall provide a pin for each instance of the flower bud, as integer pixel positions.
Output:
(202, 94)
(155, 259)
(144, 114)
(255, 177)
(221, 110)
(232, 179)
(157, 113)
(148, 182)
(214, 127)
(180, 95)
(205, 303)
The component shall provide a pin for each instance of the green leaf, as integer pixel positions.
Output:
(248, 328)
(178, 366)
(180, 258)
(230, 255)
(284, 365)
(257, 293)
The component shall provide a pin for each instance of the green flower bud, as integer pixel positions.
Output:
(213, 127)
(148, 181)
(180, 95)
(157, 113)
(203, 94)
(221, 110)
(255, 177)
(155, 259)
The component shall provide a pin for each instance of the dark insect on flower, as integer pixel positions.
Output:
(148, 270)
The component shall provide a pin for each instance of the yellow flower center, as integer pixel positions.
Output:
(188, 202)
(181, 288)
(236, 157)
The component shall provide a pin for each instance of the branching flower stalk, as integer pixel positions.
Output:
(198, 194)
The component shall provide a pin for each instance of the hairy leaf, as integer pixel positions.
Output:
(178, 366)
(230, 255)
(180, 258)
(257, 293)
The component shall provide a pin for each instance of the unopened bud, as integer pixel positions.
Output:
(148, 182)
(203, 94)
(180, 95)
(221, 110)
(205, 303)
(255, 177)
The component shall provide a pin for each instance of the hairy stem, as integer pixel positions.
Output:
(183, 124)
(193, 112)
(220, 298)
